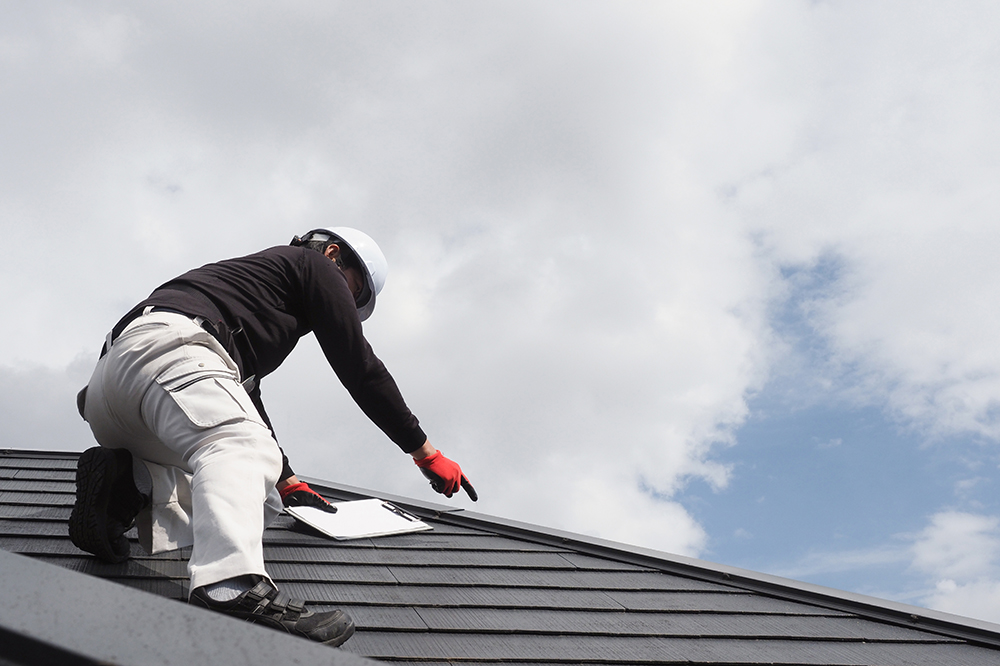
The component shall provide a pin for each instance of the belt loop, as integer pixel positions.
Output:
(110, 338)
(201, 322)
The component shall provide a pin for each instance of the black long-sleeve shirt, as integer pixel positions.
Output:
(261, 304)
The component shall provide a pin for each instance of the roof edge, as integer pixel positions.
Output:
(39, 453)
(431, 508)
(49, 612)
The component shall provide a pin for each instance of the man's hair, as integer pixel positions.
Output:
(346, 255)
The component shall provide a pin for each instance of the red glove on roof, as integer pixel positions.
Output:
(445, 475)
(300, 494)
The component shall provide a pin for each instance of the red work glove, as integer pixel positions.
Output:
(445, 475)
(300, 494)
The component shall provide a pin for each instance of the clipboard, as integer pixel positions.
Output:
(359, 519)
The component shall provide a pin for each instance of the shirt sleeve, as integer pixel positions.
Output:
(333, 317)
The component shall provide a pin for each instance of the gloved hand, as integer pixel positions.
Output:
(445, 475)
(300, 494)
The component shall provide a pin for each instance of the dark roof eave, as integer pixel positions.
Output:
(48, 616)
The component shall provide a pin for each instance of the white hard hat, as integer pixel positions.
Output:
(372, 260)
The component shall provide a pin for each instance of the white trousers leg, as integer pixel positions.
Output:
(169, 393)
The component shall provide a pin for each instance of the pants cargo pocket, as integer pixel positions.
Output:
(208, 392)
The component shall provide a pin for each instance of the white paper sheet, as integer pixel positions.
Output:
(359, 519)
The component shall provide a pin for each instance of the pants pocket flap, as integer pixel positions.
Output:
(193, 370)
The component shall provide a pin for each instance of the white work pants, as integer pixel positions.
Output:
(168, 392)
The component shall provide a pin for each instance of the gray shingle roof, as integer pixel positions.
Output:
(478, 589)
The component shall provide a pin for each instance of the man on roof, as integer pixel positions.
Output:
(187, 452)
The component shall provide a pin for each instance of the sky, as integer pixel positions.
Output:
(713, 278)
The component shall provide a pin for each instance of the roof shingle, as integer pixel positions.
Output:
(479, 589)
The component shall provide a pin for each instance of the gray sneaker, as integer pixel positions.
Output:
(264, 604)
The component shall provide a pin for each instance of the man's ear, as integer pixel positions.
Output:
(332, 251)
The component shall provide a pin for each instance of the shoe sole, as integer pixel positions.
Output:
(96, 472)
(336, 641)
(202, 600)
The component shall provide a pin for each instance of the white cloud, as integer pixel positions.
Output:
(953, 565)
(555, 387)
(38, 406)
(819, 563)
(586, 213)
(958, 545)
(960, 553)
(978, 598)
(892, 172)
